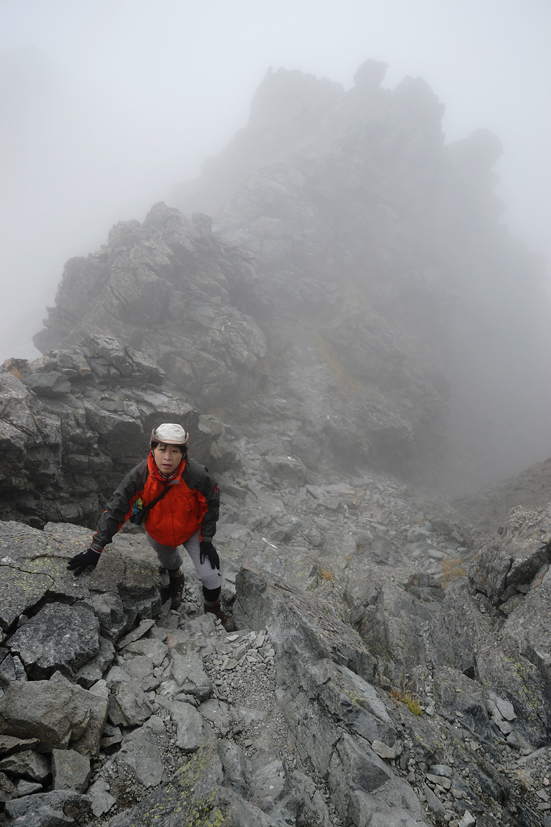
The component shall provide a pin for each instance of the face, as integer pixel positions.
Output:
(167, 457)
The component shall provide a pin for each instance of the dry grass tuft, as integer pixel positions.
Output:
(452, 570)
(407, 697)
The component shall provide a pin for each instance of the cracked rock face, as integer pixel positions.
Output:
(369, 678)
(66, 445)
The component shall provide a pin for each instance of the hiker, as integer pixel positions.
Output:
(178, 502)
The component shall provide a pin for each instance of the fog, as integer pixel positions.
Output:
(107, 105)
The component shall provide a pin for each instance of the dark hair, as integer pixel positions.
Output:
(182, 448)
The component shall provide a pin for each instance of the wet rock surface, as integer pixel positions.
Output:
(371, 675)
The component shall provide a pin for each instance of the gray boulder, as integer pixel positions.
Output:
(29, 764)
(70, 770)
(47, 809)
(59, 637)
(58, 714)
(129, 706)
(189, 674)
(191, 731)
(140, 759)
(511, 559)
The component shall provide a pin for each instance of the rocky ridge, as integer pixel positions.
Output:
(73, 422)
(370, 678)
(354, 280)
(391, 663)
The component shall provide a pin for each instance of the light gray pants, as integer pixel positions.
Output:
(171, 559)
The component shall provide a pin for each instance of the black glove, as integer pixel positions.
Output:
(208, 551)
(83, 560)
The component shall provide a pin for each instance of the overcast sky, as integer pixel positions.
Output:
(106, 104)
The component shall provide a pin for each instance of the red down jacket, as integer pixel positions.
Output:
(191, 504)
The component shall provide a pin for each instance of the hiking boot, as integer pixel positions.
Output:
(176, 583)
(216, 610)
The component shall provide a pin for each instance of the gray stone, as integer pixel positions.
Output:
(139, 666)
(101, 798)
(354, 768)
(56, 714)
(453, 693)
(218, 714)
(116, 676)
(154, 649)
(139, 757)
(193, 789)
(27, 787)
(48, 384)
(441, 769)
(57, 807)
(267, 780)
(513, 557)
(58, 637)
(505, 707)
(434, 802)
(511, 676)
(10, 744)
(441, 780)
(8, 790)
(11, 669)
(94, 669)
(383, 751)
(190, 729)
(108, 608)
(29, 764)
(70, 770)
(137, 633)
(129, 706)
(189, 674)
(284, 469)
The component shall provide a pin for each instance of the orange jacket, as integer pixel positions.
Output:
(191, 504)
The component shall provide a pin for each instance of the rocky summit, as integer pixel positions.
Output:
(334, 326)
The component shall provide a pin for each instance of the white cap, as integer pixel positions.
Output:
(170, 434)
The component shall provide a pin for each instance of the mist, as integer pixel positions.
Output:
(106, 107)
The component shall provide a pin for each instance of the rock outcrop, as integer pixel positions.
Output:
(435, 308)
(355, 281)
(73, 423)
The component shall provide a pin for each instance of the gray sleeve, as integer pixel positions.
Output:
(119, 507)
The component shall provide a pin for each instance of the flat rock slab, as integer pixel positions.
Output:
(190, 797)
(189, 674)
(11, 745)
(191, 731)
(59, 638)
(57, 807)
(21, 585)
(129, 706)
(55, 713)
(140, 756)
(70, 770)
(33, 568)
